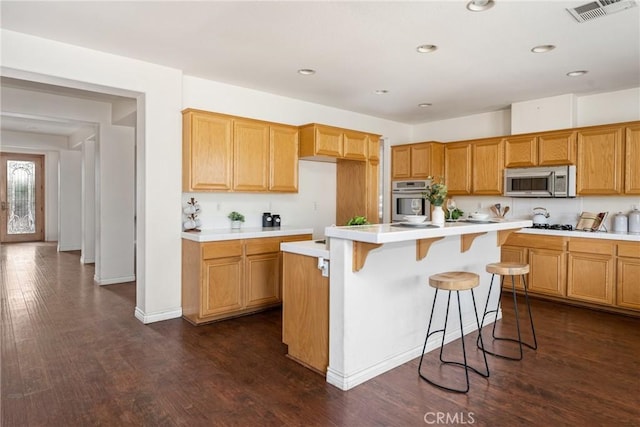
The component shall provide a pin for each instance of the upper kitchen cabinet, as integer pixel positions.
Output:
(207, 151)
(227, 153)
(632, 160)
(457, 168)
(487, 166)
(328, 143)
(543, 149)
(417, 161)
(599, 161)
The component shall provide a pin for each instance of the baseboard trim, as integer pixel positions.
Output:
(84, 260)
(68, 248)
(114, 280)
(157, 317)
(346, 382)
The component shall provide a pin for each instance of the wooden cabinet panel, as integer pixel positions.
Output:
(628, 283)
(513, 254)
(457, 158)
(599, 161)
(420, 161)
(222, 287)
(283, 158)
(224, 249)
(305, 312)
(206, 151)
(262, 279)
(373, 197)
(488, 161)
(351, 190)
(400, 162)
(590, 277)
(521, 151)
(547, 273)
(632, 160)
(320, 142)
(250, 156)
(374, 147)
(557, 148)
(355, 145)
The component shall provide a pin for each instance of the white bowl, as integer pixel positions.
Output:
(479, 216)
(415, 219)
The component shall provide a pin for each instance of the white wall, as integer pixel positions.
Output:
(314, 204)
(48, 145)
(158, 90)
(483, 125)
(70, 200)
(610, 107)
(88, 201)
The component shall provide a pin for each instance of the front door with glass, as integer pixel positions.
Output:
(21, 197)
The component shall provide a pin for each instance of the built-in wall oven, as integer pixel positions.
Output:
(402, 195)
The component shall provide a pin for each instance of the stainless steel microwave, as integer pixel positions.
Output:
(552, 181)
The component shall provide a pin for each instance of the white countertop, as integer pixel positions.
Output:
(306, 247)
(387, 233)
(214, 234)
(586, 234)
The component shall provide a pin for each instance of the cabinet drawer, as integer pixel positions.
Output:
(629, 250)
(226, 249)
(263, 245)
(591, 246)
(537, 241)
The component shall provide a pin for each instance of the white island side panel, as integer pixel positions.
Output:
(379, 315)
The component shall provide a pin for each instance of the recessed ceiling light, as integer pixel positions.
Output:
(543, 48)
(480, 5)
(381, 91)
(577, 73)
(427, 48)
(306, 71)
(424, 105)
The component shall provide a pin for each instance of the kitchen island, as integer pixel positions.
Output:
(379, 298)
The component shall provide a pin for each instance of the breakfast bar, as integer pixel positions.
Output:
(379, 299)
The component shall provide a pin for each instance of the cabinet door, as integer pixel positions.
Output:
(420, 160)
(513, 254)
(328, 141)
(354, 145)
(283, 159)
(488, 164)
(590, 277)
(457, 169)
(262, 279)
(632, 160)
(206, 152)
(599, 163)
(374, 147)
(521, 151)
(222, 286)
(401, 162)
(250, 156)
(547, 272)
(628, 285)
(557, 148)
(351, 190)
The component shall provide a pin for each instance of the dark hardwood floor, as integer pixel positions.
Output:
(74, 355)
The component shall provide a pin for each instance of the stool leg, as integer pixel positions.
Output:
(533, 330)
(486, 311)
(484, 355)
(424, 347)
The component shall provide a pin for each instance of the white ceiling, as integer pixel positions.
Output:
(483, 62)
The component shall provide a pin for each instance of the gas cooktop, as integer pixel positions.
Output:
(567, 227)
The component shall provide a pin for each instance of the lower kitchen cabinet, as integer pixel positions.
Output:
(233, 277)
(598, 273)
(513, 254)
(628, 276)
(591, 270)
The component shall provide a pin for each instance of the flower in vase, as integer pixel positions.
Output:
(436, 192)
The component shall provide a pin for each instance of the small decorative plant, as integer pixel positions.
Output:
(236, 216)
(358, 220)
(454, 213)
(436, 192)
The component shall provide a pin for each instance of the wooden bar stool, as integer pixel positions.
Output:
(508, 269)
(453, 281)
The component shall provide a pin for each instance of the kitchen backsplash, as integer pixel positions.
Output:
(561, 211)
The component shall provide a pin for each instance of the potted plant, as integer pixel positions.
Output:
(236, 219)
(358, 220)
(436, 194)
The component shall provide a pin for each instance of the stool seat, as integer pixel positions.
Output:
(454, 281)
(508, 268)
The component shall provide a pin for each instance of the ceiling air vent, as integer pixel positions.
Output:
(600, 8)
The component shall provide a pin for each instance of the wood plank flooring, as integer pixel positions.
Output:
(72, 354)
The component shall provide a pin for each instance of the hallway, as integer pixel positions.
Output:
(74, 355)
